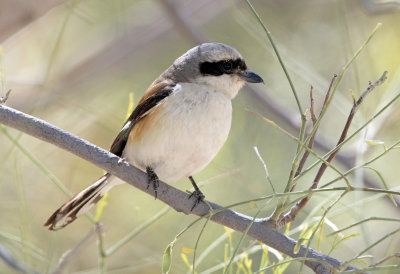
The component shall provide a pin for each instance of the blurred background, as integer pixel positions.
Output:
(78, 65)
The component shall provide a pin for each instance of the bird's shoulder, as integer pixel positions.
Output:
(155, 94)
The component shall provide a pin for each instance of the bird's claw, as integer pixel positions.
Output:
(199, 196)
(152, 178)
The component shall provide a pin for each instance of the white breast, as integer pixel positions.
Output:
(187, 131)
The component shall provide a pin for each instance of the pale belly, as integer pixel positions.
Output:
(182, 135)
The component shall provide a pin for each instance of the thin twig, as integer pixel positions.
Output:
(340, 76)
(361, 222)
(322, 219)
(67, 258)
(279, 211)
(386, 236)
(347, 125)
(100, 247)
(294, 211)
(5, 97)
(312, 112)
(314, 120)
(309, 145)
(395, 255)
(265, 169)
(135, 232)
(266, 30)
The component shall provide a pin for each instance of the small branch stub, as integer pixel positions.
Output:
(5, 97)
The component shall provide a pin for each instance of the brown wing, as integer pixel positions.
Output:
(152, 97)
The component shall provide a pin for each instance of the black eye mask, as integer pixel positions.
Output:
(222, 67)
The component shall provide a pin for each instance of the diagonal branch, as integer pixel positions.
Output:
(177, 199)
(313, 119)
(294, 211)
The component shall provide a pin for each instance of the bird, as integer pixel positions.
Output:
(178, 126)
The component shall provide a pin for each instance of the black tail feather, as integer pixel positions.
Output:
(79, 204)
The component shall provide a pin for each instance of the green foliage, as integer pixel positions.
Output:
(100, 207)
(305, 236)
(166, 264)
(339, 241)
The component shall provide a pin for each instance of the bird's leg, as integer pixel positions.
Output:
(152, 178)
(196, 193)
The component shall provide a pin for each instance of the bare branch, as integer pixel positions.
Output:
(312, 112)
(294, 211)
(314, 120)
(173, 197)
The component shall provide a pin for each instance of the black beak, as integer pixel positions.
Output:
(250, 77)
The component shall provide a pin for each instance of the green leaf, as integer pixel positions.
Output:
(130, 105)
(287, 229)
(229, 233)
(384, 184)
(305, 235)
(296, 248)
(100, 207)
(375, 142)
(248, 263)
(186, 261)
(280, 269)
(264, 259)
(352, 95)
(166, 263)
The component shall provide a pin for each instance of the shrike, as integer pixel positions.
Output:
(178, 127)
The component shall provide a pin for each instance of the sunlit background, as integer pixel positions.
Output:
(79, 64)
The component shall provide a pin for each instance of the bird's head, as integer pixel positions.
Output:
(214, 64)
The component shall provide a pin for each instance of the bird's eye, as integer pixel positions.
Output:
(227, 66)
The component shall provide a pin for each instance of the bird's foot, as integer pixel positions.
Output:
(196, 193)
(152, 178)
(199, 196)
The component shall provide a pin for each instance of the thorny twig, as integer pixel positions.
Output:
(293, 212)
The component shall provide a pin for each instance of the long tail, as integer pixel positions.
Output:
(79, 204)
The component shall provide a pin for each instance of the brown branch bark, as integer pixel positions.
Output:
(171, 196)
(314, 120)
(294, 211)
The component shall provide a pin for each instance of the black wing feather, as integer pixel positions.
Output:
(138, 113)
